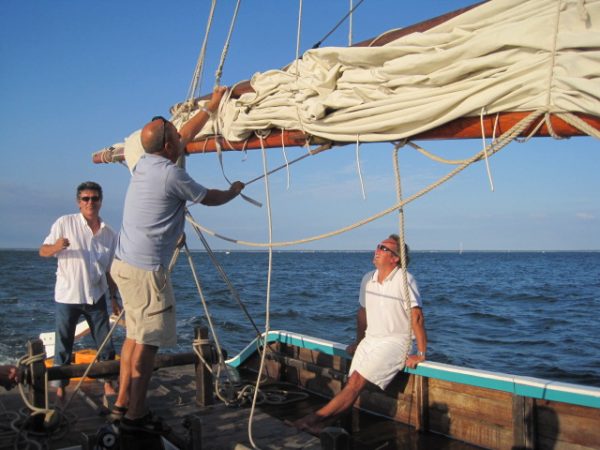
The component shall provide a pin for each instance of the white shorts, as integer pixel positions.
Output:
(379, 360)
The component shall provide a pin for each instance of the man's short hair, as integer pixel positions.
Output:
(396, 238)
(89, 186)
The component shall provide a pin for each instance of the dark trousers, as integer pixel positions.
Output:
(67, 316)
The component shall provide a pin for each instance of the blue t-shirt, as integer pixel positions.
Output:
(153, 217)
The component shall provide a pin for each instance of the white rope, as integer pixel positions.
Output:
(285, 158)
(484, 146)
(221, 361)
(310, 152)
(219, 71)
(28, 360)
(298, 34)
(268, 294)
(358, 169)
(580, 124)
(196, 81)
(330, 32)
(493, 148)
(98, 352)
(402, 250)
(350, 24)
(233, 291)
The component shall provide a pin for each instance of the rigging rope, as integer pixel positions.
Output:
(219, 71)
(316, 151)
(358, 169)
(98, 353)
(402, 249)
(298, 33)
(268, 294)
(197, 76)
(350, 25)
(234, 292)
(318, 44)
(493, 148)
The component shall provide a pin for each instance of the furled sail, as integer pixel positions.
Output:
(504, 55)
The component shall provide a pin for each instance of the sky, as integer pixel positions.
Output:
(79, 76)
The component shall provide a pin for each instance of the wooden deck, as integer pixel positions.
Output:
(173, 396)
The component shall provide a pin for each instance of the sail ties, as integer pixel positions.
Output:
(484, 145)
(575, 121)
(358, 169)
(492, 149)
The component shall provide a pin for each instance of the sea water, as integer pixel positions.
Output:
(524, 313)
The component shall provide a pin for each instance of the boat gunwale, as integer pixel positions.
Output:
(525, 386)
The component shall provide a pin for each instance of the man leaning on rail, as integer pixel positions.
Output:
(153, 222)
(383, 333)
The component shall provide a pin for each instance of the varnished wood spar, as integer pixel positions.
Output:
(463, 128)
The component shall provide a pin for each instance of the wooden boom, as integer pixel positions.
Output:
(463, 128)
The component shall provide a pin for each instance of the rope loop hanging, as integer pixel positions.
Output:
(402, 249)
(493, 148)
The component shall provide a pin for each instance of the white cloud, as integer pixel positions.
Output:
(585, 216)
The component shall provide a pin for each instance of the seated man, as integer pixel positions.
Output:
(8, 376)
(383, 337)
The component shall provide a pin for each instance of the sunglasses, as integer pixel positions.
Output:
(383, 248)
(164, 121)
(94, 199)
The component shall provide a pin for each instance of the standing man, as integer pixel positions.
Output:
(383, 336)
(84, 246)
(153, 222)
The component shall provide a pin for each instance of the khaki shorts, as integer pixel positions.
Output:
(149, 304)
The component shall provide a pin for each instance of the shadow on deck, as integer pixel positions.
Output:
(172, 396)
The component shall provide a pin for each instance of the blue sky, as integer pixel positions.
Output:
(79, 76)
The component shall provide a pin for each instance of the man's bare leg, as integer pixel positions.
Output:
(125, 373)
(142, 365)
(339, 404)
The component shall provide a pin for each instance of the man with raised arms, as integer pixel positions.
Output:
(153, 222)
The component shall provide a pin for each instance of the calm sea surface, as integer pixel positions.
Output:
(534, 314)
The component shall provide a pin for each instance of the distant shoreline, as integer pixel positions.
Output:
(350, 251)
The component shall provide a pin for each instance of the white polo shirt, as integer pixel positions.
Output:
(153, 216)
(81, 268)
(385, 305)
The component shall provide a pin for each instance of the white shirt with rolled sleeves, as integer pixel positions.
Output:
(81, 267)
